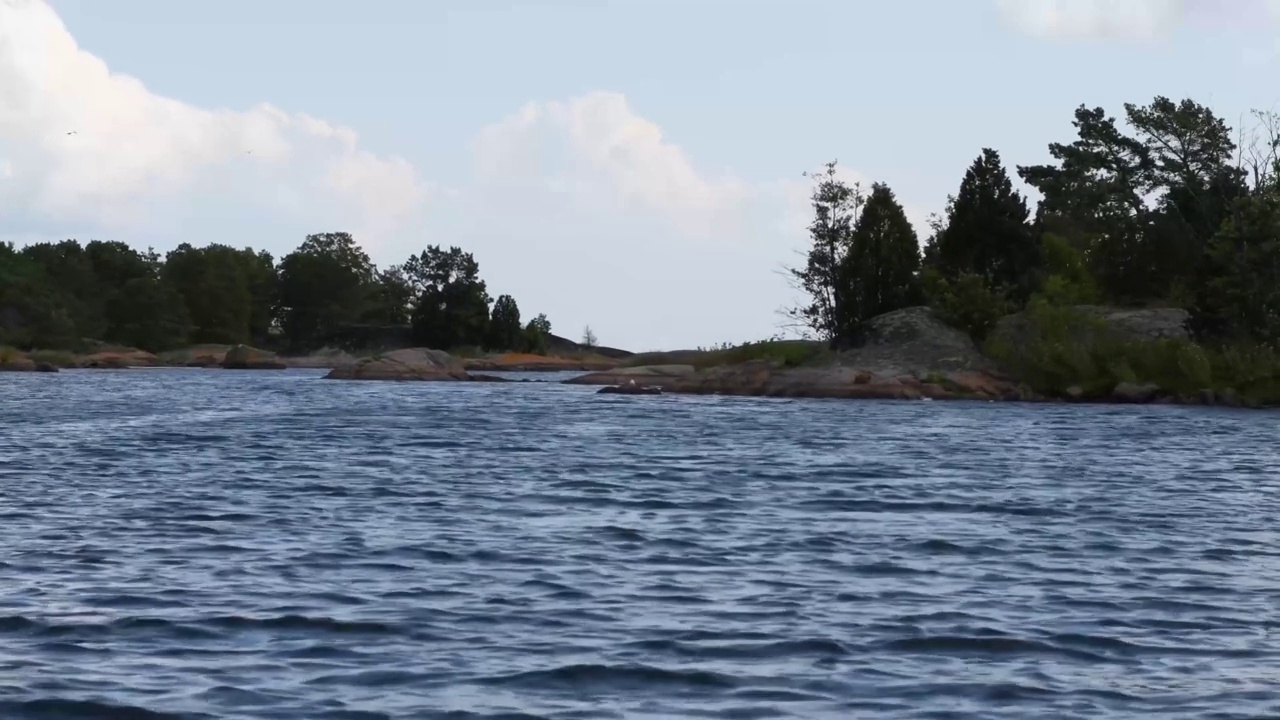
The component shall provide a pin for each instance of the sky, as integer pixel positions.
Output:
(632, 165)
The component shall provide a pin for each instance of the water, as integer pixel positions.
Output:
(271, 545)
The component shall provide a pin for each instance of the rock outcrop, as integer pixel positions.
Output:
(118, 359)
(904, 355)
(913, 341)
(21, 363)
(243, 357)
(409, 364)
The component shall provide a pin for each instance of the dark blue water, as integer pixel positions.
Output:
(271, 545)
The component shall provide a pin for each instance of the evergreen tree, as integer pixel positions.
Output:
(986, 231)
(505, 331)
(879, 273)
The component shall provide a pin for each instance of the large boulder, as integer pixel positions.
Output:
(243, 357)
(913, 341)
(409, 364)
(21, 363)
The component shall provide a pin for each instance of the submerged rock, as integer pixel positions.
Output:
(629, 389)
(408, 364)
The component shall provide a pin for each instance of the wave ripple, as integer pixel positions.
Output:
(187, 544)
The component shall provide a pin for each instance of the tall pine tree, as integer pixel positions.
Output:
(879, 274)
(986, 232)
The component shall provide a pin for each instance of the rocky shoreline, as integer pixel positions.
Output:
(906, 355)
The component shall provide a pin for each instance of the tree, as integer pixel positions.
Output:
(1142, 208)
(452, 308)
(505, 332)
(68, 267)
(537, 335)
(588, 338)
(1238, 300)
(391, 299)
(33, 311)
(1191, 172)
(264, 290)
(323, 286)
(152, 315)
(836, 206)
(213, 286)
(986, 232)
(879, 273)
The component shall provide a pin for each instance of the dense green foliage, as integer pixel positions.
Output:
(1165, 210)
(67, 296)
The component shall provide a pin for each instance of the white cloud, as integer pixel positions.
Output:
(134, 154)
(1127, 19)
(627, 233)
(581, 208)
(1131, 20)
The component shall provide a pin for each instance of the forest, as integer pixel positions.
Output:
(326, 293)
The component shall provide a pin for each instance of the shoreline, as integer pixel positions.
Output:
(825, 384)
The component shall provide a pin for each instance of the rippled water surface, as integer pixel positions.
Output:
(188, 543)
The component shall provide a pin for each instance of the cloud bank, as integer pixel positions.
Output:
(97, 150)
(1128, 20)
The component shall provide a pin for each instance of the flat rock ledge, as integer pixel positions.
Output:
(767, 379)
(416, 364)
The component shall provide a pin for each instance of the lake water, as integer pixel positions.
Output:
(220, 544)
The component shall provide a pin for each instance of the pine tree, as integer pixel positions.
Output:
(879, 274)
(986, 231)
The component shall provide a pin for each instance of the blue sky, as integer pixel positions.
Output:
(635, 166)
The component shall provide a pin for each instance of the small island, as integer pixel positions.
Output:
(1146, 274)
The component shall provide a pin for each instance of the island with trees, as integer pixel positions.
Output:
(104, 304)
(1147, 273)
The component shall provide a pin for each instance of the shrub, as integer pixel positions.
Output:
(57, 358)
(1058, 348)
(967, 303)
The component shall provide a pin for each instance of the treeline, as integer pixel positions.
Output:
(1170, 209)
(327, 292)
